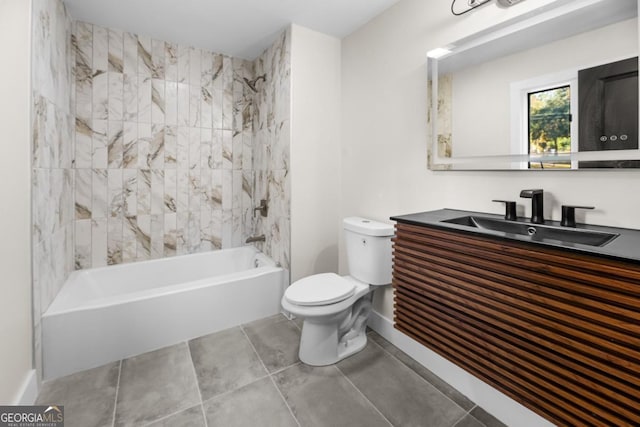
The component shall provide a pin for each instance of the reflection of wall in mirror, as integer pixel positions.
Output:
(443, 117)
(480, 95)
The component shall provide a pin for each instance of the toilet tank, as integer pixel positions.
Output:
(368, 245)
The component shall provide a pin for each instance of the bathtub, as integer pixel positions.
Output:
(105, 314)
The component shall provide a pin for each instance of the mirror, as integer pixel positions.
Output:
(553, 89)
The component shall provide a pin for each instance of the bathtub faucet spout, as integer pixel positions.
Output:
(252, 239)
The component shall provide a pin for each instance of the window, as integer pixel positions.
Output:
(544, 120)
(549, 125)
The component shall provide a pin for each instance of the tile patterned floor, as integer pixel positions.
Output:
(251, 376)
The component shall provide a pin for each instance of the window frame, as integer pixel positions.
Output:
(520, 92)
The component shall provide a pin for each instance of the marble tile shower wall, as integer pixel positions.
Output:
(163, 148)
(173, 147)
(52, 156)
(272, 135)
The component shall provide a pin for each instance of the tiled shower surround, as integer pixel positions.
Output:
(52, 157)
(173, 148)
(271, 142)
(159, 150)
(164, 149)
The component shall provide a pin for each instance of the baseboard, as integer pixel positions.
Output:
(28, 391)
(491, 400)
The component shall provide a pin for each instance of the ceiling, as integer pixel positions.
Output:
(239, 28)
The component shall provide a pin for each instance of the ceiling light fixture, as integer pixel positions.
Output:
(507, 3)
(474, 4)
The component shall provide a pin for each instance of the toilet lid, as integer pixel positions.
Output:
(319, 289)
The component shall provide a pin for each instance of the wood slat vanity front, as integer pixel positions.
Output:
(555, 330)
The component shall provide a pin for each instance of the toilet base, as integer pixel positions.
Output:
(335, 338)
(320, 347)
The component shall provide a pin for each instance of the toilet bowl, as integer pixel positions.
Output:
(335, 308)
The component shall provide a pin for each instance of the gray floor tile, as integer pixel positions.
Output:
(276, 340)
(453, 394)
(224, 361)
(88, 397)
(322, 396)
(191, 417)
(486, 418)
(469, 421)
(256, 404)
(399, 393)
(164, 387)
(156, 384)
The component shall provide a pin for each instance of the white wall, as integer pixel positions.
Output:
(15, 214)
(384, 133)
(315, 152)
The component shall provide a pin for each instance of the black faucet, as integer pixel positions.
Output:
(537, 205)
(569, 214)
(509, 209)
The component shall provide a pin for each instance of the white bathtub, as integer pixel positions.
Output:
(106, 314)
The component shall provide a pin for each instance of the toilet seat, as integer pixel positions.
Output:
(319, 289)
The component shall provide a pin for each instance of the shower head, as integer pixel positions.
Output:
(252, 83)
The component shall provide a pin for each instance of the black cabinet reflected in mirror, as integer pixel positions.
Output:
(608, 108)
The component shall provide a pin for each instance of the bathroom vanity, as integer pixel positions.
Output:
(554, 324)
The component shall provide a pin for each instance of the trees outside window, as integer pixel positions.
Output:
(550, 125)
(550, 121)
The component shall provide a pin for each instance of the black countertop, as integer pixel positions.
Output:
(625, 247)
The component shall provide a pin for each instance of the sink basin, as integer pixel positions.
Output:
(537, 232)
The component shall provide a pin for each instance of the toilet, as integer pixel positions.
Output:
(335, 308)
